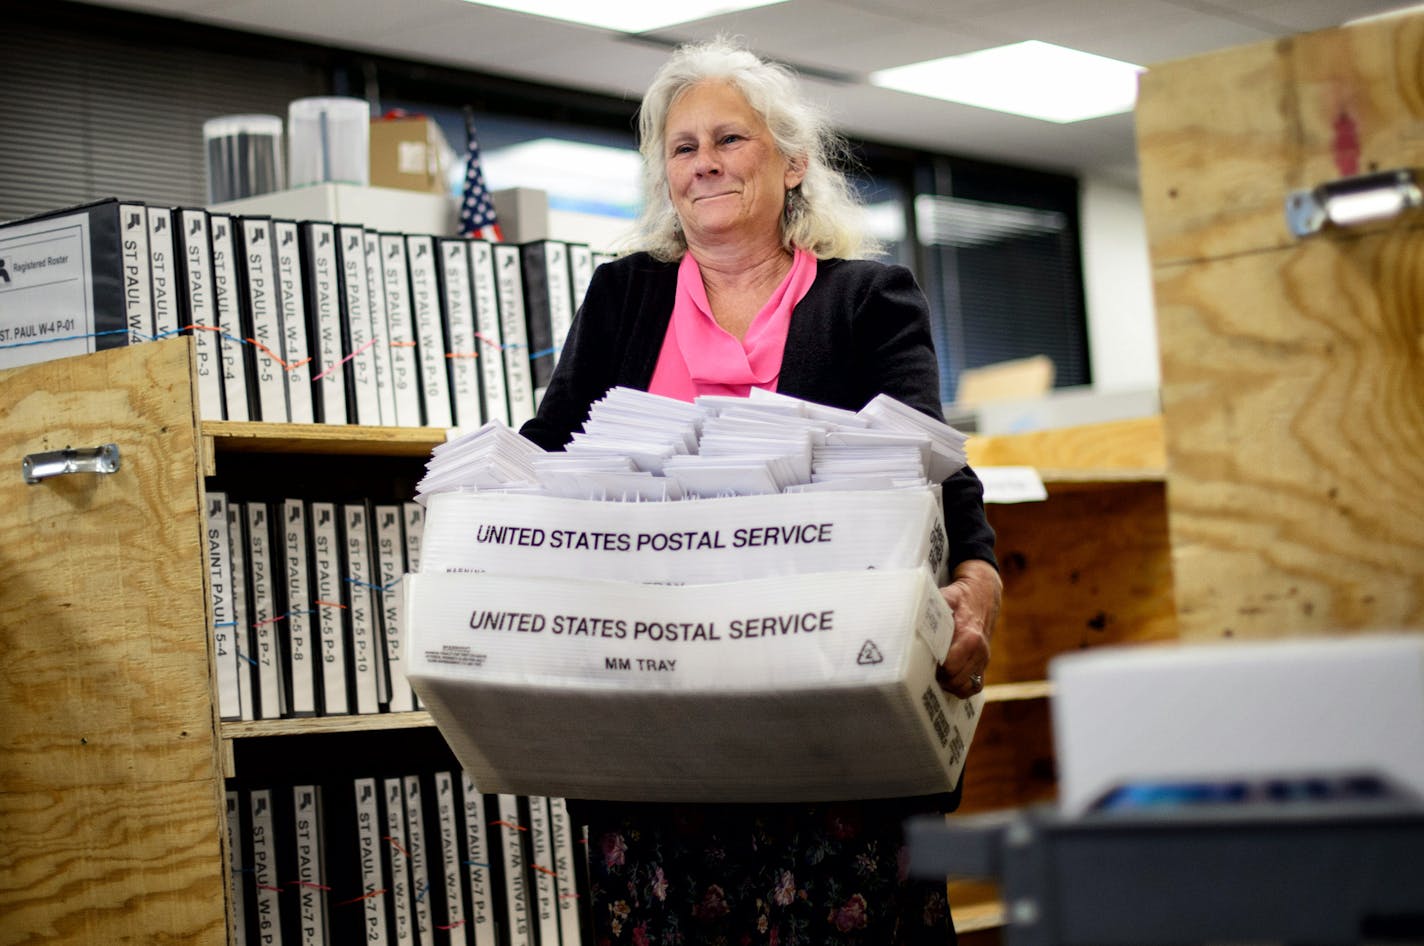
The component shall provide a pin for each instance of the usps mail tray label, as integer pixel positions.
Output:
(684, 542)
(803, 630)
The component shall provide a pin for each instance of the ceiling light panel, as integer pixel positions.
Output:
(1033, 79)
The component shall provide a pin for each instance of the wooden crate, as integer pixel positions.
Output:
(1292, 368)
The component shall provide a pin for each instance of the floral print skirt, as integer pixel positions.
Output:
(735, 875)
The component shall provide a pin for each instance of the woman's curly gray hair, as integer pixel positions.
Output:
(824, 214)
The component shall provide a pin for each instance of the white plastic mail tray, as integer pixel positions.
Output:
(802, 687)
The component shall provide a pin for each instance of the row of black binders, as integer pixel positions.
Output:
(315, 321)
(308, 614)
(422, 858)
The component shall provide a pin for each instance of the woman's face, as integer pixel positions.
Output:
(725, 176)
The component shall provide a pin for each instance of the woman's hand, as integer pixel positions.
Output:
(974, 597)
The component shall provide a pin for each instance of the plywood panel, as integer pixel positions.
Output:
(1223, 138)
(1010, 761)
(135, 864)
(103, 658)
(110, 799)
(1293, 386)
(1086, 568)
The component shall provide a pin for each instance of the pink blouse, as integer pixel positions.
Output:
(700, 357)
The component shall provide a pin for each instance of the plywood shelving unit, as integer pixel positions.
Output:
(111, 796)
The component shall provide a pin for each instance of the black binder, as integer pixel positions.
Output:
(62, 284)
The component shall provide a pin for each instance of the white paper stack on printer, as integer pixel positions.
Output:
(750, 639)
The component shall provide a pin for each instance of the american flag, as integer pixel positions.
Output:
(477, 217)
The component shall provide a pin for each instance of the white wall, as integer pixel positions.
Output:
(1117, 284)
(601, 233)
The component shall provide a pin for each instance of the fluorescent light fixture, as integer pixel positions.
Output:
(1034, 79)
(626, 16)
(886, 221)
(569, 171)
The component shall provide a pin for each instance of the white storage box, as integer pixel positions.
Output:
(1242, 712)
(377, 208)
(806, 687)
(685, 542)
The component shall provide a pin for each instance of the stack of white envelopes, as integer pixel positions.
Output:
(637, 446)
(746, 648)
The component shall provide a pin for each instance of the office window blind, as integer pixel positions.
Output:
(86, 116)
(1006, 282)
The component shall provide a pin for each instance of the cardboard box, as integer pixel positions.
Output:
(410, 153)
(523, 214)
(803, 687)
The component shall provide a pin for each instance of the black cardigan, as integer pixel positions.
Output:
(862, 329)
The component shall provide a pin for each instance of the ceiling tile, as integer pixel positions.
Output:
(486, 38)
(1302, 16)
(320, 20)
(864, 53)
(946, 13)
(832, 37)
(896, 117)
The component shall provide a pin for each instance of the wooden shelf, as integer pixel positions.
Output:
(338, 439)
(1116, 450)
(971, 917)
(977, 905)
(1009, 692)
(1113, 451)
(230, 732)
(372, 722)
(1067, 480)
(309, 726)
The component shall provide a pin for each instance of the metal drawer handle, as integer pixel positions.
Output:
(1352, 200)
(41, 466)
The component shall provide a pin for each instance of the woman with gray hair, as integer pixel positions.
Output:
(743, 272)
(823, 214)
